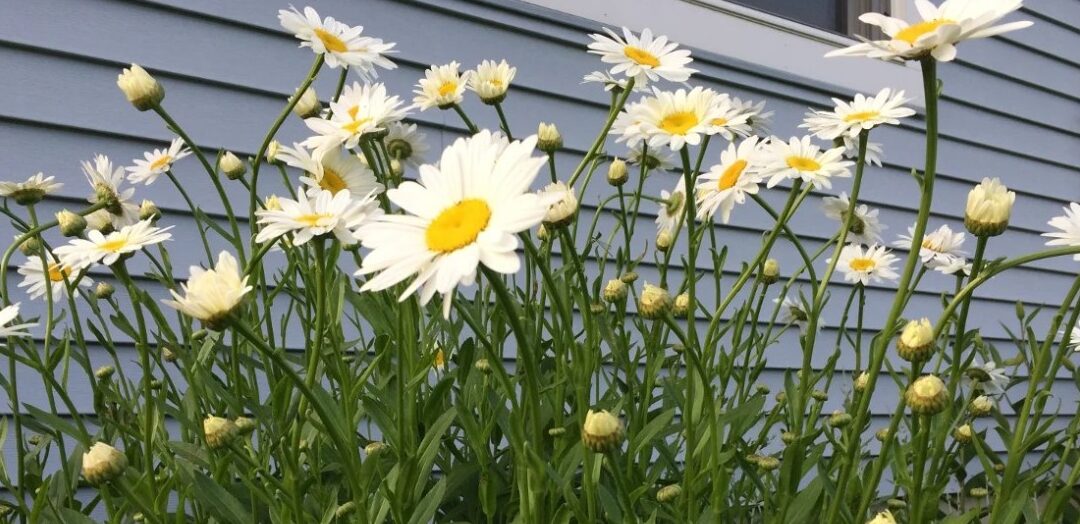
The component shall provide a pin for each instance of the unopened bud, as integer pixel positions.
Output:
(615, 290)
(219, 431)
(103, 463)
(916, 341)
(770, 271)
(232, 166)
(482, 365)
(71, 224)
(245, 425)
(308, 105)
(272, 151)
(629, 277)
(668, 493)
(548, 138)
(103, 290)
(839, 419)
(617, 174)
(142, 90)
(862, 381)
(981, 406)
(664, 239)
(602, 431)
(927, 395)
(375, 448)
(149, 211)
(654, 302)
(104, 372)
(31, 246)
(682, 305)
(963, 434)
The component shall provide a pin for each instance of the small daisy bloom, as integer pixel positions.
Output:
(462, 212)
(340, 44)
(405, 144)
(653, 158)
(335, 171)
(7, 329)
(674, 119)
(156, 162)
(801, 159)
(756, 116)
(491, 80)
(107, 249)
(874, 152)
(360, 110)
(865, 228)
(940, 248)
(987, 377)
(793, 312)
(107, 182)
(317, 213)
(862, 113)
(40, 277)
(1074, 338)
(728, 182)
(957, 265)
(874, 264)
(672, 212)
(1069, 229)
(644, 58)
(941, 28)
(729, 121)
(441, 87)
(32, 190)
(610, 82)
(211, 294)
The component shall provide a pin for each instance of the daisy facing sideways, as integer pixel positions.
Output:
(98, 248)
(360, 110)
(644, 58)
(848, 119)
(335, 171)
(7, 329)
(874, 264)
(462, 212)
(156, 162)
(50, 275)
(315, 214)
(211, 294)
(728, 182)
(865, 226)
(1068, 226)
(939, 249)
(32, 190)
(672, 212)
(106, 182)
(801, 159)
(340, 44)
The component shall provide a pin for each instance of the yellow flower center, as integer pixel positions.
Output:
(932, 245)
(354, 124)
(641, 56)
(731, 175)
(447, 88)
(57, 273)
(679, 123)
(911, 33)
(114, 245)
(312, 219)
(440, 359)
(861, 116)
(802, 163)
(331, 42)
(458, 225)
(332, 181)
(862, 264)
(719, 121)
(161, 162)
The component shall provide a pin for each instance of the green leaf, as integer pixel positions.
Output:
(218, 500)
(425, 510)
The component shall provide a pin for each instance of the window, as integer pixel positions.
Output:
(837, 16)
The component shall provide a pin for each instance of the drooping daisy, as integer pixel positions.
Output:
(644, 58)
(756, 116)
(1069, 226)
(674, 119)
(957, 265)
(627, 128)
(793, 312)
(865, 227)
(340, 44)
(803, 160)
(360, 110)
(729, 120)
(156, 162)
(490, 80)
(672, 212)
(405, 144)
(862, 113)
(39, 277)
(32, 190)
(654, 158)
(610, 82)
(7, 329)
(107, 249)
(874, 264)
(987, 377)
(940, 248)
(317, 213)
(874, 153)
(941, 28)
(211, 294)
(441, 87)
(463, 212)
(728, 182)
(106, 182)
(335, 171)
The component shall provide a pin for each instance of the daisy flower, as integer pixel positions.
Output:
(107, 249)
(756, 116)
(801, 159)
(335, 171)
(862, 113)
(405, 144)
(987, 377)
(728, 182)
(874, 152)
(107, 183)
(610, 82)
(957, 265)
(156, 162)
(940, 248)
(32, 190)
(865, 228)
(672, 212)
(491, 80)
(1069, 226)
(729, 120)
(211, 294)
(39, 277)
(1074, 338)
(941, 28)
(793, 312)
(317, 213)
(673, 119)
(7, 329)
(360, 110)
(644, 58)
(441, 87)
(462, 212)
(653, 158)
(874, 264)
(340, 44)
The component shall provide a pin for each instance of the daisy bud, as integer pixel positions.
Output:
(682, 305)
(71, 224)
(629, 277)
(602, 431)
(219, 431)
(548, 138)
(103, 463)
(308, 105)
(597, 308)
(439, 362)
(678, 348)
(168, 354)
(556, 432)
(482, 365)
(542, 233)
(244, 425)
(979, 492)
(788, 437)
(103, 290)
(989, 205)
(375, 449)
(141, 89)
(981, 406)
(272, 151)
(999, 467)
(781, 397)
(819, 395)
(31, 246)
(149, 211)
(231, 165)
(564, 205)
(100, 220)
(881, 434)
(104, 372)
(654, 302)
(664, 239)
(345, 510)
(762, 389)
(885, 517)
(199, 335)
(491, 80)
(896, 504)
(668, 493)
(927, 395)
(963, 434)
(916, 341)
(862, 381)
(839, 419)
(768, 463)
(770, 271)
(617, 174)
(615, 290)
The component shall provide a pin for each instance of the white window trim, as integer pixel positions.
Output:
(744, 33)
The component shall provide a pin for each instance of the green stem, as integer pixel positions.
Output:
(602, 137)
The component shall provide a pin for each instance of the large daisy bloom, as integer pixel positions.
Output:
(1068, 226)
(405, 144)
(728, 182)
(441, 87)
(317, 213)
(360, 110)
(940, 248)
(672, 119)
(801, 159)
(874, 264)
(865, 226)
(491, 80)
(211, 294)
(32, 190)
(462, 212)
(644, 58)
(340, 44)
(107, 249)
(940, 29)
(156, 162)
(106, 182)
(7, 329)
(672, 212)
(335, 171)
(40, 277)
(862, 113)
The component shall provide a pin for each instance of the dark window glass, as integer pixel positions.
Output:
(823, 14)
